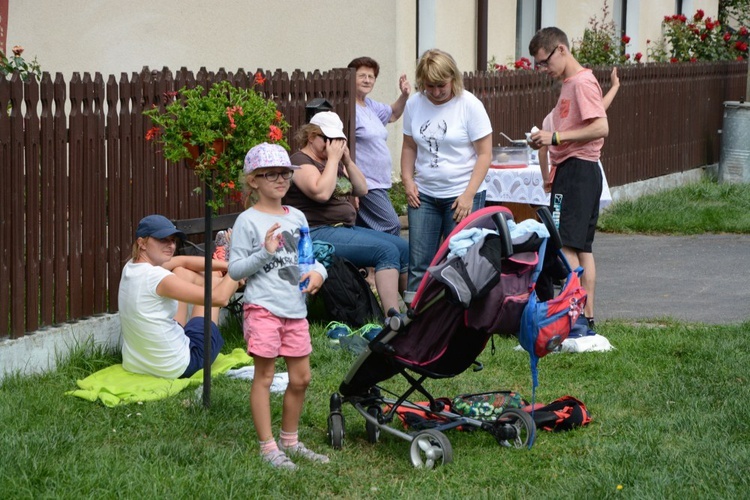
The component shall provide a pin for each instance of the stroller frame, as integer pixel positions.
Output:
(429, 447)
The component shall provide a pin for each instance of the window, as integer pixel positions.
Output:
(528, 22)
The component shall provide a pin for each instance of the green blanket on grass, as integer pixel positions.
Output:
(115, 386)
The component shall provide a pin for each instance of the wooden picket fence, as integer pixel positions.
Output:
(80, 173)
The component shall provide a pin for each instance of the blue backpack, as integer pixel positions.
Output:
(544, 325)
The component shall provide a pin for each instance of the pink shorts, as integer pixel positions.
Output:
(268, 336)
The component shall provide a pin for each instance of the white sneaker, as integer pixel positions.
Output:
(300, 450)
(278, 459)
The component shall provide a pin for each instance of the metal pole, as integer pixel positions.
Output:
(207, 299)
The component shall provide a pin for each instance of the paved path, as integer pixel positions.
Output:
(704, 278)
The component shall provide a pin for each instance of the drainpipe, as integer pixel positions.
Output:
(425, 26)
(482, 21)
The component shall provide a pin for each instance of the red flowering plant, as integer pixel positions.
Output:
(601, 45)
(702, 38)
(523, 63)
(213, 131)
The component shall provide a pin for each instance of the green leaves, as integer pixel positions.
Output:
(216, 130)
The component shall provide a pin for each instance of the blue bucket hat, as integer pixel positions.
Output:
(157, 226)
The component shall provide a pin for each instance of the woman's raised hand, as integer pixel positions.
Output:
(404, 86)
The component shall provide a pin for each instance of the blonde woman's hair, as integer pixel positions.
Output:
(135, 254)
(306, 133)
(436, 66)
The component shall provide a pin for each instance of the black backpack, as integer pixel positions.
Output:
(347, 295)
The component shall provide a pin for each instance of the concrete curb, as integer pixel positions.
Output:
(39, 352)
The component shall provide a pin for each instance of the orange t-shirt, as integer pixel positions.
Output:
(580, 101)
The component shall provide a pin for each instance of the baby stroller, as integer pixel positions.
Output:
(447, 327)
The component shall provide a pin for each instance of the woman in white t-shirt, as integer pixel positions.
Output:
(444, 159)
(156, 287)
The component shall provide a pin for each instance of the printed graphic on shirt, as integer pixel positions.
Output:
(285, 259)
(433, 134)
(564, 108)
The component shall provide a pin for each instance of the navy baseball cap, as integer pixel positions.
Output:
(157, 226)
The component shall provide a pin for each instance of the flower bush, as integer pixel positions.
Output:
(18, 63)
(701, 38)
(213, 131)
(524, 63)
(601, 44)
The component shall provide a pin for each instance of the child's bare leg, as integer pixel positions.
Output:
(294, 397)
(260, 397)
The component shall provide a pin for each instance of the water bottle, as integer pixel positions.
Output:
(305, 255)
(556, 206)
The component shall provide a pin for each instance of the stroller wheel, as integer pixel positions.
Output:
(373, 431)
(430, 448)
(514, 428)
(336, 430)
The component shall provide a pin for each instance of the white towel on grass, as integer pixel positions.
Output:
(280, 380)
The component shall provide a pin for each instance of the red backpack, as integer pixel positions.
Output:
(544, 325)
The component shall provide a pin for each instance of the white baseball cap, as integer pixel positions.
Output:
(330, 123)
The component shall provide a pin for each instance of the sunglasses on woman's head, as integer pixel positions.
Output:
(274, 176)
(325, 138)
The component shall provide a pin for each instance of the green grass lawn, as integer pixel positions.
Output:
(703, 207)
(669, 408)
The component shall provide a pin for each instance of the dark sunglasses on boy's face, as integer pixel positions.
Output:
(274, 176)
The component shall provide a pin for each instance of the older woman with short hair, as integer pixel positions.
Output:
(373, 156)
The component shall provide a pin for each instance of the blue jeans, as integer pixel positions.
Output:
(428, 226)
(365, 247)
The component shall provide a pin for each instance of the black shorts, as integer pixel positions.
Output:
(578, 184)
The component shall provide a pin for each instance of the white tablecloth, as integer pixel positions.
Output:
(524, 185)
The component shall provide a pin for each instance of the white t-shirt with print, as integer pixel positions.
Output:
(444, 135)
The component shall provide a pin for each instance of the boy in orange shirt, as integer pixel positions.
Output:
(579, 126)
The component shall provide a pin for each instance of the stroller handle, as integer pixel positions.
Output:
(502, 229)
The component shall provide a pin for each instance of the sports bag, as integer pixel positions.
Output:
(347, 295)
(544, 325)
(562, 414)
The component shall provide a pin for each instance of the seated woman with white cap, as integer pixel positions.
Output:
(323, 189)
(155, 289)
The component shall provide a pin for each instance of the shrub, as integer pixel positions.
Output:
(701, 38)
(601, 45)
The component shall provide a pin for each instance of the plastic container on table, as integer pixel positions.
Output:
(510, 157)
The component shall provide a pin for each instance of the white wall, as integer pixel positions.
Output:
(112, 36)
(116, 36)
